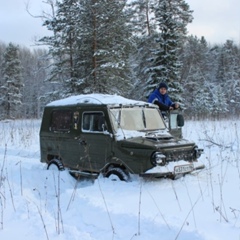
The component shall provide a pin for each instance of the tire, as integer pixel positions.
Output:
(116, 174)
(55, 165)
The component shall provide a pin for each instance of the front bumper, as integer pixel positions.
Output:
(173, 169)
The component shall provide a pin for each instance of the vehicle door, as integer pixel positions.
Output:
(95, 141)
(62, 140)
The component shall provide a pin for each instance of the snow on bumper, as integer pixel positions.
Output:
(173, 169)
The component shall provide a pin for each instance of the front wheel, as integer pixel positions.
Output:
(55, 165)
(116, 174)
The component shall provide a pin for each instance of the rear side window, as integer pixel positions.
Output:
(93, 122)
(61, 120)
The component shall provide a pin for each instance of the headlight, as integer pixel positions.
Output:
(197, 152)
(158, 158)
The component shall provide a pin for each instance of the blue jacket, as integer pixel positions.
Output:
(156, 96)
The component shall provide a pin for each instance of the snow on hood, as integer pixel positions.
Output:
(96, 98)
(126, 134)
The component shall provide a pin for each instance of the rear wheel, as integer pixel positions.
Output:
(116, 174)
(55, 165)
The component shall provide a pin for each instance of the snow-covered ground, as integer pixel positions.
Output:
(39, 204)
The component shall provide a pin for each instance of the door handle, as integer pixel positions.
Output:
(83, 142)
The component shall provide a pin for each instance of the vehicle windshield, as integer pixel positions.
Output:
(136, 119)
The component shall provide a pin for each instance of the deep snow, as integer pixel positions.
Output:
(36, 203)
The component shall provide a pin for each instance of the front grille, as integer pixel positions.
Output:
(180, 155)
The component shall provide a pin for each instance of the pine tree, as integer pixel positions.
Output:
(11, 87)
(141, 15)
(219, 101)
(34, 63)
(91, 45)
(228, 74)
(228, 62)
(172, 17)
(195, 72)
(143, 26)
(201, 104)
(61, 46)
(111, 47)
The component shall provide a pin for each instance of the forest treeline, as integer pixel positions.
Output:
(123, 48)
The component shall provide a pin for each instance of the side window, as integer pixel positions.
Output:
(173, 121)
(61, 120)
(93, 122)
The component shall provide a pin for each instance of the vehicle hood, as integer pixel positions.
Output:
(163, 143)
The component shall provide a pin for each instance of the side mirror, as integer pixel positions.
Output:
(175, 123)
(180, 120)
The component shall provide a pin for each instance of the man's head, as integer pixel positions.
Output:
(163, 88)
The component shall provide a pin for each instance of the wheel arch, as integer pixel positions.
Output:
(110, 165)
(51, 157)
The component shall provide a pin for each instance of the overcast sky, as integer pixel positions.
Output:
(216, 20)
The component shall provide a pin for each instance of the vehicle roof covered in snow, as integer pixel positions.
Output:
(97, 99)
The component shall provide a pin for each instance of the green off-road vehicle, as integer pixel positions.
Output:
(110, 135)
